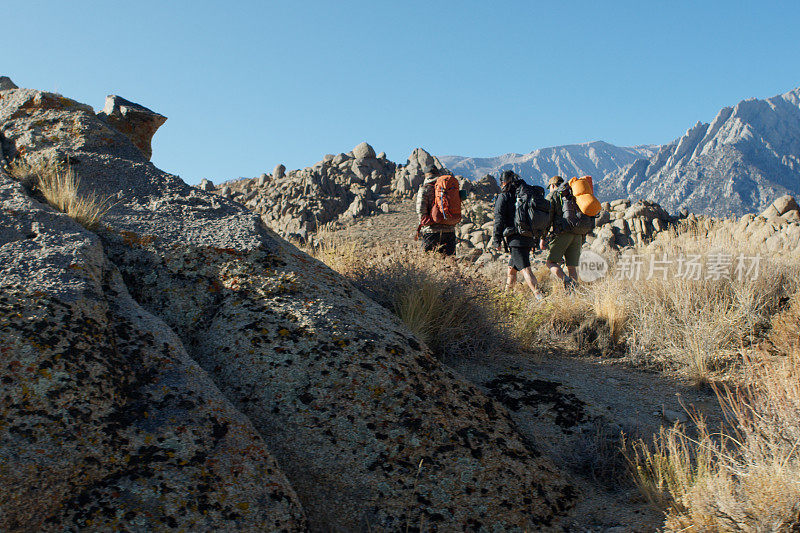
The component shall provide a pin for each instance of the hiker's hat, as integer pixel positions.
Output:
(555, 180)
(508, 176)
(431, 170)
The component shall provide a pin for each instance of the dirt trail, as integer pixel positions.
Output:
(398, 226)
(572, 409)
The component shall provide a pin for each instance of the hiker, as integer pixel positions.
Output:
(565, 244)
(439, 210)
(506, 234)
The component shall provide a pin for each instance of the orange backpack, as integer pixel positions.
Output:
(583, 191)
(446, 208)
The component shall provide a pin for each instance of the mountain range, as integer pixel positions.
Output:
(739, 163)
(593, 159)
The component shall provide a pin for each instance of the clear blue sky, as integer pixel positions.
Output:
(250, 84)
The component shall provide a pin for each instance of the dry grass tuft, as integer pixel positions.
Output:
(609, 305)
(746, 478)
(453, 312)
(59, 186)
(784, 337)
(698, 327)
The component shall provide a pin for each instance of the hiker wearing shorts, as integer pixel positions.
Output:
(435, 237)
(504, 232)
(565, 245)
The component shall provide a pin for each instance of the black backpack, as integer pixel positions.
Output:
(572, 219)
(531, 210)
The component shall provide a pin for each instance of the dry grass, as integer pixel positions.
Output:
(743, 479)
(453, 312)
(59, 186)
(700, 328)
(746, 478)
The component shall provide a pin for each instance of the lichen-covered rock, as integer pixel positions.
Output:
(371, 431)
(137, 122)
(105, 422)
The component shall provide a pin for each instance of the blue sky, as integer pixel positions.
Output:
(247, 85)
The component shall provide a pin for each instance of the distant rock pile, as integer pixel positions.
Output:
(622, 223)
(777, 228)
(339, 187)
(409, 177)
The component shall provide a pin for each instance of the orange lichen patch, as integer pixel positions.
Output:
(229, 251)
(131, 238)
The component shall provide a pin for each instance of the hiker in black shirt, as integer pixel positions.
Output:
(520, 246)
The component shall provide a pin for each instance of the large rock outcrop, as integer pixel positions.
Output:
(747, 156)
(137, 122)
(106, 423)
(370, 430)
(409, 177)
(7, 84)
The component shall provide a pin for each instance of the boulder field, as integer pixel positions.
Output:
(185, 367)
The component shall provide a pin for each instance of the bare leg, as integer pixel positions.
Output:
(556, 270)
(511, 278)
(530, 280)
(573, 273)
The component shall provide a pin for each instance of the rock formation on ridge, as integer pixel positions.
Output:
(137, 122)
(340, 187)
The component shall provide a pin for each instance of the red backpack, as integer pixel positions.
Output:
(446, 208)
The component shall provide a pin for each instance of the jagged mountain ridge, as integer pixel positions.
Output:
(739, 163)
(593, 158)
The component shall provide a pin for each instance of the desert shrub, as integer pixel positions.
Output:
(59, 185)
(545, 323)
(744, 478)
(699, 327)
